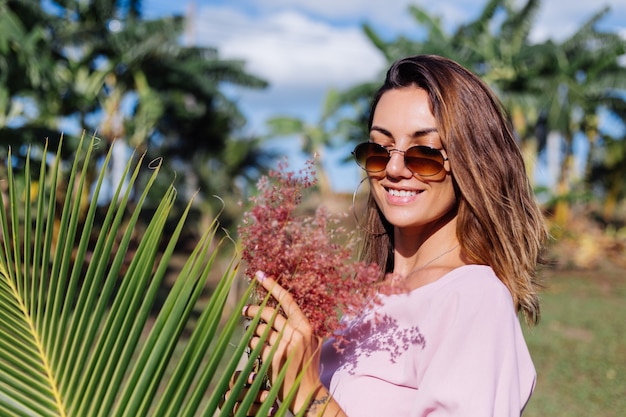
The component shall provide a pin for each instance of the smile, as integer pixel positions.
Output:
(402, 193)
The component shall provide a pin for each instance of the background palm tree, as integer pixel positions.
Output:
(316, 137)
(586, 77)
(551, 89)
(101, 68)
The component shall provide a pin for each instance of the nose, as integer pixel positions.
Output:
(396, 168)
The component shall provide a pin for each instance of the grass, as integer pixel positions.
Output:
(579, 347)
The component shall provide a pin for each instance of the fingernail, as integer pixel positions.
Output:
(260, 276)
(251, 377)
(245, 309)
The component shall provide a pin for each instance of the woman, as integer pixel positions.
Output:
(452, 212)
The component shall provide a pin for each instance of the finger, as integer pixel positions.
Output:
(276, 351)
(233, 379)
(237, 375)
(254, 409)
(272, 336)
(267, 315)
(260, 397)
(265, 351)
(281, 295)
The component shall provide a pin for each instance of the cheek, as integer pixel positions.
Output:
(449, 196)
(373, 180)
(376, 189)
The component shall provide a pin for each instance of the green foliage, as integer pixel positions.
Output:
(578, 348)
(102, 66)
(83, 330)
(547, 87)
(315, 138)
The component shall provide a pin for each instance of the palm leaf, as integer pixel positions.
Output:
(78, 335)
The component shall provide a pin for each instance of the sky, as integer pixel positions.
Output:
(305, 47)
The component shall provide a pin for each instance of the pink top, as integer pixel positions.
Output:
(453, 347)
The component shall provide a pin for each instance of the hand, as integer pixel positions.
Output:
(256, 405)
(292, 335)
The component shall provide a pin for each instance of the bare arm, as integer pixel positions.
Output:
(323, 405)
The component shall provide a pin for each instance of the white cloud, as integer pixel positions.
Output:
(306, 43)
(301, 58)
(336, 9)
(290, 49)
(305, 47)
(558, 20)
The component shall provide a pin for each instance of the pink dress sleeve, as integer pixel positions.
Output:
(451, 348)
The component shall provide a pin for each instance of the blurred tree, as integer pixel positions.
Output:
(315, 137)
(505, 58)
(29, 81)
(494, 45)
(606, 168)
(130, 80)
(586, 77)
(547, 87)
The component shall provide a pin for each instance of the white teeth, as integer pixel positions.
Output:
(401, 193)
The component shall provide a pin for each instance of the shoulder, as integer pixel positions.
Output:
(473, 279)
(474, 287)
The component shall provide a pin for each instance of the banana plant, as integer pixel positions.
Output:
(79, 335)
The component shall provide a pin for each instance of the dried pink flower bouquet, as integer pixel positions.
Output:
(310, 256)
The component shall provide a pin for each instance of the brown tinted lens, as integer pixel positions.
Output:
(422, 160)
(371, 157)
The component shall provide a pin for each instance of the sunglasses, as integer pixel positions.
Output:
(420, 160)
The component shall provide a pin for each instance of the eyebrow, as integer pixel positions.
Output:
(416, 134)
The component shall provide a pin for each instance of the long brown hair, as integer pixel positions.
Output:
(499, 221)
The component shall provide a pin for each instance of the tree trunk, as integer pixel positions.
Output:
(563, 188)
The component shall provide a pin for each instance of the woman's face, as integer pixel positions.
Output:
(402, 119)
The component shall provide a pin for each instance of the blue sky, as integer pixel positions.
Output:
(305, 47)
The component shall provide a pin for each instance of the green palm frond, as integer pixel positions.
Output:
(79, 335)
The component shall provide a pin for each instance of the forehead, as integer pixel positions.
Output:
(407, 106)
(403, 117)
